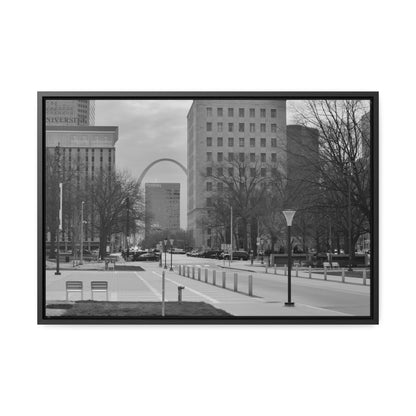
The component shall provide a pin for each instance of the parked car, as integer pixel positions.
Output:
(137, 254)
(178, 251)
(237, 255)
(148, 257)
(211, 254)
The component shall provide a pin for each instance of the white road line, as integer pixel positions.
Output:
(323, 309)
(152, 289)
(190, 290)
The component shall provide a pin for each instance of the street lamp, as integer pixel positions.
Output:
(289, 214)
(171, 251)
(81, 234)
(262, 251)
(166, 246)
(160, 253)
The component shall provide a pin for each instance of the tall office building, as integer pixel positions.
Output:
(82, 153)
(70, 112)
(221, 131)
(162, 203)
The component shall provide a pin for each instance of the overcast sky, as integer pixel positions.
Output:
(150, 130)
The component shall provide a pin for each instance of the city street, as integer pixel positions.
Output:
(311, 297)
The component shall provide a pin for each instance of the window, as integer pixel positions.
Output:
(274, 157)
(252, 127)
(252, 112)
(230, 157)
(241, 157)
(230, 127)
(219, 157)
(253, 172)
(231, 171)
(241, 127)
(219, 127)
(242, 172)
(252, 157)
(263, 142)
(209, 171)
(231, 112)
(209, 242)
(274, 128)
(209, 141)
(274, 142)
(252, 142)
(274, 172)
(263, 128)
(230, 141)
(220, 172)
(220, 186)
(209, 186)
(263, 112)
(273, 113)
(209, 202)
(241, 112)
(219, 112)
(263, 157)
(209, 112)
(209, 126)
(219, 141)
(263, 172)
(241, 141)
(209, 156)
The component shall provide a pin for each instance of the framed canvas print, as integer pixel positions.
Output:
(208, 208)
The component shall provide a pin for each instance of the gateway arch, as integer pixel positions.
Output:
(143, 174)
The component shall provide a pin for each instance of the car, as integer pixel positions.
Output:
(211, 254)
(148, 257)
(237, 255)
(137, 254)
(178, 251)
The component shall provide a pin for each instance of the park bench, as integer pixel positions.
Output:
(328, 264)
(100, 287)
(73, 286)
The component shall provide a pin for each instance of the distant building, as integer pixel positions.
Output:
(70, 112)
(223, 130)
(162, 203)
(82, 152)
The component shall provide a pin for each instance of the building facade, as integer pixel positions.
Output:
(70, 112)
(162, 204)
(80, 154)
(223, 131)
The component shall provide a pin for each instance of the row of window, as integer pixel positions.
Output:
(241, 142)
(241, 157)
(242, 112)
(253, 172)
(241, 127)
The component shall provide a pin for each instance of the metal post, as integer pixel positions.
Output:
(165, 256)
(214, 277)
(199, 273)
(285, 270)
(193, 272)
(235, 282)
(180, 269)
(223, 279)
(343, 275)
(349, 220)
(266, 268)
(231, 236)
(163, 293)
(59, 230)
(310, 272)
(275, 268)
(289, 270)
(188, 271)
(250, 285)
(171, 252)
(206, 275)
(82, 234)
(364, 277)
(325, 277)
(297, 271)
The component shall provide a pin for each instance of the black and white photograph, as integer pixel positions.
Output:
(216, 207)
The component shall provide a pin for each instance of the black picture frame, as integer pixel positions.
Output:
(373, 97)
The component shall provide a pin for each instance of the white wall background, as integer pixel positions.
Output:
(210, 45)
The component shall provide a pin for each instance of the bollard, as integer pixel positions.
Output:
(206, 275)
(223, 279)
(285, 270)
(180, 288)
(250, 285)
(193, 272)
(364, 277)
(235, 282)
(275, 268)
(199, 273)
(310, 272)
(179, 270)
(183, 270)
(188, 271)
(325, 277)
(343, 275)
(266, 268)
(214, 277)
(297, 271)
